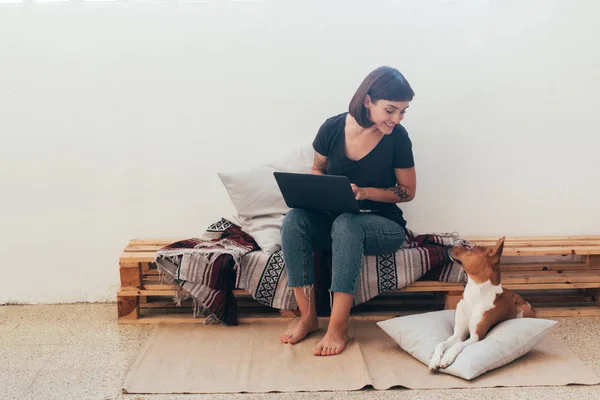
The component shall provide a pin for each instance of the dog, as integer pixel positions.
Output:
(484, 303)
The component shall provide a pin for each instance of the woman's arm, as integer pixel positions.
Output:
(319, 164)
(403, 192)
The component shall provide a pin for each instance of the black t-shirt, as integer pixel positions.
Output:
(376, 169)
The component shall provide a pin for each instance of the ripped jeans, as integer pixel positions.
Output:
(348, 236)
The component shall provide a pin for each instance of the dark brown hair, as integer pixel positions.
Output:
(384, 83)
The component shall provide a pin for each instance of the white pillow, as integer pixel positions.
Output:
(258, 200)
(298, 160)
(259, 204)
(254, 192)
(419, 334)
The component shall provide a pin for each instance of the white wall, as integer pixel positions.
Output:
(115, 118)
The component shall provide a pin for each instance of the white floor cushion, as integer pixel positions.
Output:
(419, 334)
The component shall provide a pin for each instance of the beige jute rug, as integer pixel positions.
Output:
(250, 358)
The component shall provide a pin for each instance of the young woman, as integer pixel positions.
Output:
(370, 147)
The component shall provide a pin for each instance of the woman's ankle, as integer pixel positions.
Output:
(305, 298)
(310, 316)
(339, 323)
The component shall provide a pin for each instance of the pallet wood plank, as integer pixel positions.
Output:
(517, 241)
(551, 286)
(130, 275)
(142, 248)
(548, 266)
(158, 286)
(124, 292)
(551, 250)
(510, 249)
(542, 312)
(452, 300)
(156, 242)
(190, 319)
(432, 287)
(127, 307)
(146, 253)
(550, 277)
(165, 241)
(446, 287)
(508, 242)
(138, 257)
(587, 311)
(575, 238)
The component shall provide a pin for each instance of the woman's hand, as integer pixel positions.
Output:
(359, 193)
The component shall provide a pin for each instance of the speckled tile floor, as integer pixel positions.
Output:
(80, 352)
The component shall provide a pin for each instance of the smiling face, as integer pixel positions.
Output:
(385, 114)
(381, 99)
(481, 263)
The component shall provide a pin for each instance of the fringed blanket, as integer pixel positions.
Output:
(209, 269)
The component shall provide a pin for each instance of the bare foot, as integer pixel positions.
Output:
(303, 327)
(334, 341)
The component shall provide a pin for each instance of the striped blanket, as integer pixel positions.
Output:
(208, 269)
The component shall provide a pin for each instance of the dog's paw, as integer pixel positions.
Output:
(434, 363)
(449, 357)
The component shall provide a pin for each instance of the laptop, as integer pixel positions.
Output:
(331, 193)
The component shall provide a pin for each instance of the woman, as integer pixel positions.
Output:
(370, 147)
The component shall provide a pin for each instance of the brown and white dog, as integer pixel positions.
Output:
(484, 303)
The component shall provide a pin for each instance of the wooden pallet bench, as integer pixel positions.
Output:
(568, 284)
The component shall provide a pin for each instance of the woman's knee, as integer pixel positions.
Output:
(295, 221)
(347, 226)
(294, 217)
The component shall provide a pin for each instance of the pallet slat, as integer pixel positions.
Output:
(542, 312)
(167, 291)
(143, 256)
(510, 280)
(505, 268)
(566, 242)
(509, 249)
(550, 277)
(551, 251)
(138, 256)
(549, 266)
(509, 239)
(535, 239)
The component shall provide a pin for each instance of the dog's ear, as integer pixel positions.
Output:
(498, 248)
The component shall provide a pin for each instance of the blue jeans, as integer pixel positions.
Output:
(348, 236)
